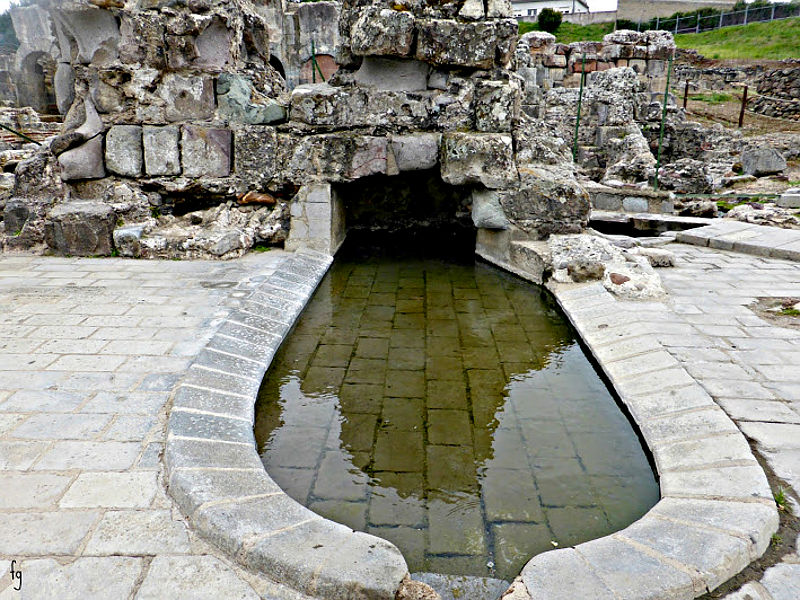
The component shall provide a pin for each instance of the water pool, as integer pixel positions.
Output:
(447, 407)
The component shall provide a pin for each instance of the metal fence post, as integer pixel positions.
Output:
(746, 9)
(578, 118)
(697, 27)
(772, 14)
(663, 119)
(658, 19)
(677, 20)
(722, 14)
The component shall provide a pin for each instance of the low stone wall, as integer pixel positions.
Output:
(716, 78)
(774, 92)
(630, 199)
(556, 65)
(590, 18)
(779, 93)
(644, 10)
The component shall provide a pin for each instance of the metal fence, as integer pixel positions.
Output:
(696, 23)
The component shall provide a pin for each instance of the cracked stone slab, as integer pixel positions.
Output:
(715, 556)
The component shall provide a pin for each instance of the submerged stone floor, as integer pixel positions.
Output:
(91, 349)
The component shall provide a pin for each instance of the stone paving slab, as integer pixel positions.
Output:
(747, 238)
(79, 509)
(90, 352)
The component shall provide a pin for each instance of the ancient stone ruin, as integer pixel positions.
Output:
(181, 138)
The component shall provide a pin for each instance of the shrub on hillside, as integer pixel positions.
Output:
(549, 20)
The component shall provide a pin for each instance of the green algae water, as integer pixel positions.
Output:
(447, 407)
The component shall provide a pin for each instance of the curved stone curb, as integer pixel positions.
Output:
(216, 476)
(716, 514)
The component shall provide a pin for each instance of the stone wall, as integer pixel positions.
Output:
(180, 138)
(774, 92)
(557, 65)
(780, 93)
(644, 10)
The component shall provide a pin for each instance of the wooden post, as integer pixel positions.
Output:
(744, 103)
(685, 94)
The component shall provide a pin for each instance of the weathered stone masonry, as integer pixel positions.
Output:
(177, 112)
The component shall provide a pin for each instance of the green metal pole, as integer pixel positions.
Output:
(578, 119)
(22, 135)
(663, 119)
(315, 65)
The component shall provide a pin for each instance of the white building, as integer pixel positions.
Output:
(532, 8)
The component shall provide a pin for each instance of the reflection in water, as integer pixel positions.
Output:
(447, 408)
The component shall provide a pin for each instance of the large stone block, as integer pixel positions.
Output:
(80, 228)
(476, 44)
(255, 153)
(317, 219)
(762, 161)
(124, 150)
(546, 201)
(382, 32)
(320, 104)
(369, 157)
(393, 74)
(416, 152)
(487, 213)
(485, 158)
(83, 162)
(161, 150)
(234, 95)
(187, 98)
(497, 105)
(206, 151)
(331, 157)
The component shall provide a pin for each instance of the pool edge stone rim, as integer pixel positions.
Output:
(216, 477)
(716, 514)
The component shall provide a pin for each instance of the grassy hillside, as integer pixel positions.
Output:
(775, 40)
(770, 40)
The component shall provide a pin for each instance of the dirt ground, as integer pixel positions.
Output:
(727, 113)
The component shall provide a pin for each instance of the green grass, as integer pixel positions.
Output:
(568, 32)
(774, 40)
(788, 312)
(712, 98)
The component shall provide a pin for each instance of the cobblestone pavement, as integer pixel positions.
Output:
(749, 366)
(90, 350)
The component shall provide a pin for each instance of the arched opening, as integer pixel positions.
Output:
(35, 83)
(276, 64)
(326, 65)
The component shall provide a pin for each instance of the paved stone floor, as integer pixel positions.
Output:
(750, 367)
(90, 350)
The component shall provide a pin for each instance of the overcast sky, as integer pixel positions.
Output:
(4, 5)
